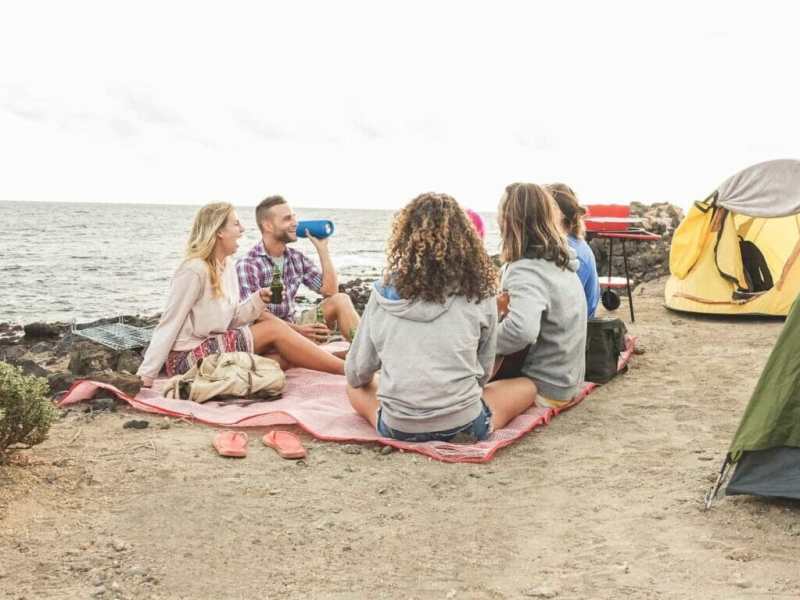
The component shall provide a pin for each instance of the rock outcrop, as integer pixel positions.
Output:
(52, 351)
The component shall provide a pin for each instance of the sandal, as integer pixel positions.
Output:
(286, 444)
(231, 443)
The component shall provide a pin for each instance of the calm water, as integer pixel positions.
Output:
(85, 261)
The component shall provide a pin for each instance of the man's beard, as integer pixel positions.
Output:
(286, 237)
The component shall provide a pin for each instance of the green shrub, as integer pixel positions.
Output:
(25, 410)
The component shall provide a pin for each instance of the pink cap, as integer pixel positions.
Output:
(477, 221)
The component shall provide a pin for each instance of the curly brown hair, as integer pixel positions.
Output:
(528, 219)
(434, 252)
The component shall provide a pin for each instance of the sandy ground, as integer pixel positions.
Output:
(606, 502)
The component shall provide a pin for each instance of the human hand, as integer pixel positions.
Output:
(146, 381)
(321, 245)
(503, 300)
(266, 295)
(316, 332)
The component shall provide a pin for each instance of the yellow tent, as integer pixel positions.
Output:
(736, 253)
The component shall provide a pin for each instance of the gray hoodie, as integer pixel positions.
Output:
(548, 311)
(434, 359)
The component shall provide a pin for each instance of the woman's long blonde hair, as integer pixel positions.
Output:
(528, 219)
(207, 223)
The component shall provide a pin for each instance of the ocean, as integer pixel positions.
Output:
(65, 261)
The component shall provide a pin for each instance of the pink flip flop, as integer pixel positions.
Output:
(286, 444)
(231, 443)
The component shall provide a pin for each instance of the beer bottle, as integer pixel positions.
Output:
(276, 287)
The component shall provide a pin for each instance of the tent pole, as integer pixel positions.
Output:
(711, 495)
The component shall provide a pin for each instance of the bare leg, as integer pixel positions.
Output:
(339, 309)
(284, 364)
(273, 334)
(364, 400)
(507, 398)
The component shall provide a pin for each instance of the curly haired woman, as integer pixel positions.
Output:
(429, 329)
(204, 315)
(547, 309)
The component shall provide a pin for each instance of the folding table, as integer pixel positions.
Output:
(612, 222)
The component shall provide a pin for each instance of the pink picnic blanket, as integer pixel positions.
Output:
(317, 402)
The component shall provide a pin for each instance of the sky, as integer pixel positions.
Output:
(367, 104)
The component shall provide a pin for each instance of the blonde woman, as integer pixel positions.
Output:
(203, 314)
(572, 224)
(547, 307)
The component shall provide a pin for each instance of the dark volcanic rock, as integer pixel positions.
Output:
(12, 353)
(43, 330)
(29, 367)
(60, 381)
(359, 291)
(103, 404)
(129, 361)
(124, 382)
(87, 357)
(50, 350)
(40, 347)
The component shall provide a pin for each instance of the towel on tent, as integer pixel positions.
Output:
(318, 403)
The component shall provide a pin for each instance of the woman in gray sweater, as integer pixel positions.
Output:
(429, 331)
(546, 310)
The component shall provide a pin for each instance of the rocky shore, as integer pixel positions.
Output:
(646, 260)
(52, 351)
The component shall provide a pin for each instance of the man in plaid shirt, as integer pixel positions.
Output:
(278, 225)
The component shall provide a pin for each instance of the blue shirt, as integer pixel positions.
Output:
(587, 272)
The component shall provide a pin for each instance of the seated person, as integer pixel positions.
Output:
(278, 226)
(572, 224)
(203, 314)
(425, 346)
(546, 307)
(477, 222)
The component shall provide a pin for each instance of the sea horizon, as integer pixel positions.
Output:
(65, 261)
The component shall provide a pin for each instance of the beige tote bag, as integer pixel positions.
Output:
(228, 374)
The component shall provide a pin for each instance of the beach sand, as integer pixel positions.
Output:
(606, 502)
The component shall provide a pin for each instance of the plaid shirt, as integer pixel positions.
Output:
(255, 272)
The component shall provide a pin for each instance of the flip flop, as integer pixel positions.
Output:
(286, 444)
(231, 443)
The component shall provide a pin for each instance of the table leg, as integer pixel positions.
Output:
(627, 279)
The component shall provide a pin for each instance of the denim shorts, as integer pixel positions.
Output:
(474, 431)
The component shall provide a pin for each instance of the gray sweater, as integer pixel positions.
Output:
(548, 311)
(434, 359)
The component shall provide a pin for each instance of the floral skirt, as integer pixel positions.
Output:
(233, 340)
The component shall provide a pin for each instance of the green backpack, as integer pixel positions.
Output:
(605, 341)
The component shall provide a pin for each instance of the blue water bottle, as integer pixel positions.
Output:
(318, 228)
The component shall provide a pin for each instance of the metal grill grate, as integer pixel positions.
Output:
(117, 336)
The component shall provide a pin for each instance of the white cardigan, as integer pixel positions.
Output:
(192, 313)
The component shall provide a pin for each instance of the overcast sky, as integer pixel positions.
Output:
(366, 104)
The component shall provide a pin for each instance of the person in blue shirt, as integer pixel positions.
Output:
(573, 226)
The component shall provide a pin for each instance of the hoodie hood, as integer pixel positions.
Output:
(416, 310)
(573, 263)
